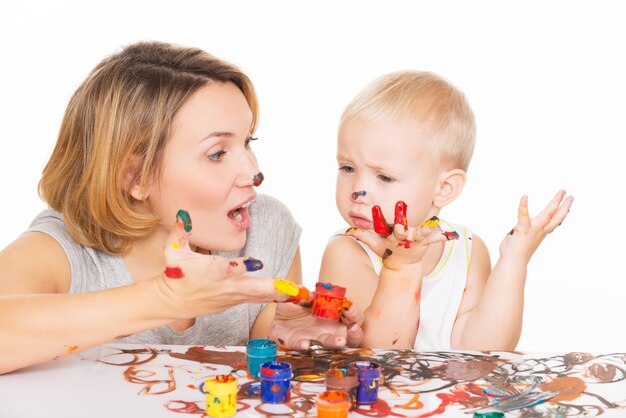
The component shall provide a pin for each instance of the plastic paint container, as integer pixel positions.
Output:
(328, 301)
(275, 382)
(221, 396)
(258, 352)
(489, 415)
(369, 380)
(333, 404)
(343, 379)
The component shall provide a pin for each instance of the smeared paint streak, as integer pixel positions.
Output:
(512, 231)
(183, 216)
(380, 224)
(431, 223)
(569, 388)
(387, 253)
(281, 341)
(174, 272)
(413, 403)
(258, 179)
(71, 348)
(286, 287)
(400, 215)
(190, 386)
(450, 235)
(233, 263)
(405, 243)
(252, 264)
(356, 195)
(395, 341)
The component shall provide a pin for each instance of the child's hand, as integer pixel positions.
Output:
(399, 244)
(196, 284)
(526, 236)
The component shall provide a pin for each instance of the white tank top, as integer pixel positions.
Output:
(442, 290)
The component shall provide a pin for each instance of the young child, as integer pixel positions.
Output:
(409, 137)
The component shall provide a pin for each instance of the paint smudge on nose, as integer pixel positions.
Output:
(356, 195)
(173, 272)
(258, 179)
(380, 224)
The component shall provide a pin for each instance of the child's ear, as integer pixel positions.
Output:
(449, 187)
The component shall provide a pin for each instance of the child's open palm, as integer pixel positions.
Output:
(529, 232)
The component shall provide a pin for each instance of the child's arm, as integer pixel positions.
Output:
(490, 316)
(390, 302)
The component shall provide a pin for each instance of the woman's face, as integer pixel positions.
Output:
(208, 169)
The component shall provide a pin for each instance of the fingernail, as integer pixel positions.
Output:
(252, 264)
(183, 216)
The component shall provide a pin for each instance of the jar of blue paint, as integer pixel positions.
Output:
(369, 381)
(259, 351)
(275, 382)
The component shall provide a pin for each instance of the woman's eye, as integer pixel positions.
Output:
(346, 169)
(247, 142)
(216, 156)
(384, 178)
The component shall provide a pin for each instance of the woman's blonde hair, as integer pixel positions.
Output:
(114, 132)
(437, 105)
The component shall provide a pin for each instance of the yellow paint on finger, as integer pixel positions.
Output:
(432, 222)
(175, 245)
(286, 287)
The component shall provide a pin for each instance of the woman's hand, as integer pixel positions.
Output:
(398, 244)
(522, 241)
(196, 284)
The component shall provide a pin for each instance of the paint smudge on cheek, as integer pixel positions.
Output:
(174, 273)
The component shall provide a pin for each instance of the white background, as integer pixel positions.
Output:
(546, 81)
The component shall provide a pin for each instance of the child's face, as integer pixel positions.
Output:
(208, 167)
(390, 162)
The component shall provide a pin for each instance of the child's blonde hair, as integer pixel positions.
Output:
(423, 97)
(114, 132)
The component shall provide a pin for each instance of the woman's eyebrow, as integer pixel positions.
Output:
(217, 134)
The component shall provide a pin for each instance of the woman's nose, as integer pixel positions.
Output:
(249, 173)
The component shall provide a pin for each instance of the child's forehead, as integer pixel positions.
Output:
(382, 135)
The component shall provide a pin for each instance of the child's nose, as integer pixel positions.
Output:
(360, 194)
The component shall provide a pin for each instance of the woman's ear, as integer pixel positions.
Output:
(131, 180)
(449, 187)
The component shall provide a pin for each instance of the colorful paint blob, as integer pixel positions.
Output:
(183, 216)
(380, 224)
(286, 287)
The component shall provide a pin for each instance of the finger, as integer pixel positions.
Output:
(369, 238)
(354, 336)
(332, 341)
(353, 316)
(380, 224)
(560, 215)
(546, 215)
(523, 218)
(400, 215)
(242, 265)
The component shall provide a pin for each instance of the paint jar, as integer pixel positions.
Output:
(333, 404)
(259, 351)
(369, 380)
(275, 382)
(345, 379)
(489, 415)
(328, 301)
(221, 396)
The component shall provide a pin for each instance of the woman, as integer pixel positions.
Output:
(154, 129)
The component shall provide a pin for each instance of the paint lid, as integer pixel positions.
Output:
(333, 400)
(367, 369)
(494, 414)
(261, 348)
(328, 289)
(275, 370)
(223, 384)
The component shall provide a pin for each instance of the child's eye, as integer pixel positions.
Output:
(384, 178)
(216, 156)
(346, 169)
(247, 142)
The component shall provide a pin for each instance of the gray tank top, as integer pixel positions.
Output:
(273, 238)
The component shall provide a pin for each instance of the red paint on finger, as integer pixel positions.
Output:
(233, 263)
(400, 217)
(174, 272)
(380, 224)
(450, 235)
(405, 243)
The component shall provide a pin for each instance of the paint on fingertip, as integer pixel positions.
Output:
(404, 243)
(387, 253)
(431, 223)
(184, 217)
(258, 179)
(286, 287)
(71, 348)
(252, 264)
(380, 224)
(400, 215)
(173, 272)
(450, 235)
